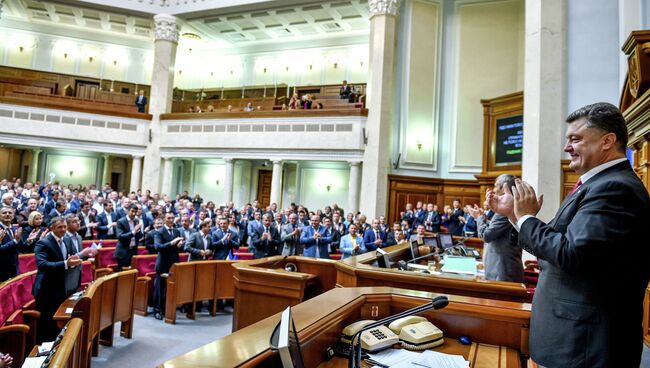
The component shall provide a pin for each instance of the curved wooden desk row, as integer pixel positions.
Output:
(67, 354)
(191, 282)
(265, 282)
(320, 320)
(106, 301)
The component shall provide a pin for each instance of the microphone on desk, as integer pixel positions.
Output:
(354, 360)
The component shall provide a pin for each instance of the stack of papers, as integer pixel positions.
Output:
(45, 347)
(401, 358)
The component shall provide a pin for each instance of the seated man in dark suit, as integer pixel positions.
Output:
(583, 315)
(10, 242)
(200, 244)
(128, 237)
(266, 238)
(374, 238)
(345, 91)
(168, 242)
(52, 284)
(224, 240)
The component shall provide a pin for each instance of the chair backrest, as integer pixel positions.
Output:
(26, 262)
(106, 257)
(107, 243)
(124, 295)
(144, 264)
(142, 251)
(88, 243)
(183, 257)
(87, 275)
(7, 304)
(22, 289)
(205, 280)
(182, 275)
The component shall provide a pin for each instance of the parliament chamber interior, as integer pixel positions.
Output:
(335, 183)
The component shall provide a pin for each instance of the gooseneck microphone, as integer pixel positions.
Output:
(354, 360)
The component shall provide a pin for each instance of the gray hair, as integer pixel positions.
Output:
(505, 179)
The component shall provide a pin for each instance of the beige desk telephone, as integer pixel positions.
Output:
(373, 340)
(417, 333)
(414, 332)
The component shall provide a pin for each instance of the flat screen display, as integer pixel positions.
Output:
(285, 340)
(415, 252)
(445, 240)
(509, 140)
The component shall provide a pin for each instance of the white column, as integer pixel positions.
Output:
(168, 170)
(160, 101)
(136, 172)
(276, 182)
(353, 188)
(544, 100)
(106, 177)
(381, 80)
(33, 167)
(228, 180)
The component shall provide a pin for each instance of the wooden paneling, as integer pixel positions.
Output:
(73, 104)
(410, 189)
(264, 114)
(264, 178)
(319, 322)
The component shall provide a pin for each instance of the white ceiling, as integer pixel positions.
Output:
(253, 24)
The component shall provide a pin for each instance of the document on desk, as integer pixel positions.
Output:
(402, 358)
(35, 362)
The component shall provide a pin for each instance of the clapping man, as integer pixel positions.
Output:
(168, 243)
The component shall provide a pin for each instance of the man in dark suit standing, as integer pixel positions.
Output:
(582, 315)
(168, 242)
(10, 241)
(52, 284)
(266, 238)
(432, 219)
(374, 238)
(129, 235)
(141, 101)
(107, 221)
(332, 233)
(345, 91)
(224, 240)
(86, 221)
(455, 226)
(200, 244)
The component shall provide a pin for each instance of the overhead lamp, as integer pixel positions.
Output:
(419, 145)
(191, 36)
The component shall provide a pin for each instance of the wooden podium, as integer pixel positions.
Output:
(498, 329)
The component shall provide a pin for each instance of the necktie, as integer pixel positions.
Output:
(576, 186)
(64, 251)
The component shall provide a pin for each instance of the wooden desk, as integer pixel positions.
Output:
(359, 271)
(320, 320)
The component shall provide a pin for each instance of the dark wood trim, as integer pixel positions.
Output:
(62, 106)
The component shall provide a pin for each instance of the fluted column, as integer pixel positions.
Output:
(106, 176)
(228, 180)
(136, 172)
(544, 102)
(160, 100)
(381, 80)
(276, 183)
(33, 167)
(168, 169)
(353, 188)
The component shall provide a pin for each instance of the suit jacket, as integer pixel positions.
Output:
(336, 239)
(220, 247)
(419, 217)
(266, 248)
(584, 316)
(50, 283)
(124, 236)
(187, 234)
(307, 239)
(83, 226)
(167, 253)
(434, 218)
(347, 247)
(140, 101)
(290, 242)
(501, 256)
(454, 226)
(195, 245)
(9, 256)
(102, 225)
(369, 239)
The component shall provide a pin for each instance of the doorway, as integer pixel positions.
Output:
(264, 178)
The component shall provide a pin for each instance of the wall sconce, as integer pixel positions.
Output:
(212, 74)
(310, 67)
(231, 72)
(114, 62)
(328, 187)
(90, 59)
(217, 182)
(21, 48)
(336, 65)
(419, 144)
(180, 72)
(286, 68)
(264, 70)
(71, 172)
(361, 63)
(65, 55)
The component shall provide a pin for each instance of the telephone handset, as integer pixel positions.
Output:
(417, 333)
(373, 340)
